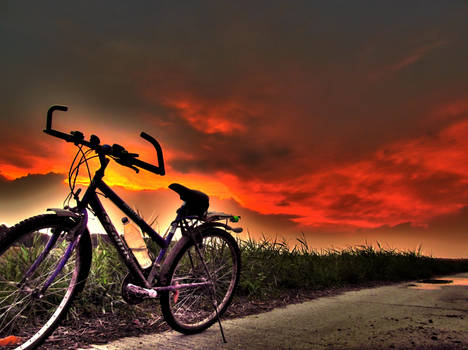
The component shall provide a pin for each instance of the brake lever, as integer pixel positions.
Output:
(77, 137)
(122, 162)
(133, 168)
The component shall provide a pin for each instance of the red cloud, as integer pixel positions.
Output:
(408, 181)
(411, 58)
(207, 117)
(415, 56)
(412, 180)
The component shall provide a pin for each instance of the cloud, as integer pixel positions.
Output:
(408, 181)
(21, 152)
(442, 236)
(210, 119)
(406, 60)
(267, 107)
(415, 56)
(298, 87)
(30, 195)
(414, 181)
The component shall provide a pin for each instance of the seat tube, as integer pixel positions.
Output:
(170, 234)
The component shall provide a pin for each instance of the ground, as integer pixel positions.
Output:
(110, 327)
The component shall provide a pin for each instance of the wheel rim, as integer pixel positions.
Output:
(194, 307)
(22, 313)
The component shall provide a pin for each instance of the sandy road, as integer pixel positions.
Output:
(390, 317)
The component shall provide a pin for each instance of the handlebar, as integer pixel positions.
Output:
(118, 152)
(49, 114)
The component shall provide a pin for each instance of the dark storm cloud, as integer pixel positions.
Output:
(322, 111)
(256, 224)
(351, 205)
(453, 222)
(30, 195)
(245, 158)
(11, 157)
(307, 62)
(21, 150)
(453, 225)
(443, 236)
(28, 185)
(292, 198)
(282, 95)
(439, 187)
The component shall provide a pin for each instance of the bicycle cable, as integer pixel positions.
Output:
(74, 171)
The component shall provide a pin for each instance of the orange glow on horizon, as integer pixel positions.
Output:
(411, 180)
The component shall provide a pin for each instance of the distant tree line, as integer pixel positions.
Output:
(43, 238)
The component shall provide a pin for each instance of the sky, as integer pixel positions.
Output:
(340, 122)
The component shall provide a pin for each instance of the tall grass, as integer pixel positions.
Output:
(268, 269)
(271, 267)
(102, 291)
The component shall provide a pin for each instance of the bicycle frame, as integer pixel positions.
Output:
(90, 198)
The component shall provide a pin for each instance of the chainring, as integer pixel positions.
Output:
(128, 297)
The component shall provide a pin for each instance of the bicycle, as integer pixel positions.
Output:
(45, 259)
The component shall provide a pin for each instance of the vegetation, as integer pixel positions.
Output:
(268, 269)
(271, 267)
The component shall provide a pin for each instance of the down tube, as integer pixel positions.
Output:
(127, 257)
(131, 213)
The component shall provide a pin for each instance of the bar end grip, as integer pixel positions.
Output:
(49, 114)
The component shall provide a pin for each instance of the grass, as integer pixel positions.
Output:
(268, 269)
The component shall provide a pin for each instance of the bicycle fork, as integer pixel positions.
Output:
(76, 232)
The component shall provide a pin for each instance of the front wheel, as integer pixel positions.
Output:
(28, 316)
(210, 270)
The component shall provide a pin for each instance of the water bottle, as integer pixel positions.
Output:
(136, 243)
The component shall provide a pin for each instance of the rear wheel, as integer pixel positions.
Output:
(213, 269)
(27, 318)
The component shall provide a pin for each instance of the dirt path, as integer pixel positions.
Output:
(399, 316)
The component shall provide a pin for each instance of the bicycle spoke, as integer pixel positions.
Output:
(22, 312)
(14, 318)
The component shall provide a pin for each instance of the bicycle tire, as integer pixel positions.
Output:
(25, 317)
(191, 310)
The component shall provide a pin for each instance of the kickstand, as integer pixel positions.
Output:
(213, 294)
(219, 322)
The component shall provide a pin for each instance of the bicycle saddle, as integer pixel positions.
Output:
(196, 202)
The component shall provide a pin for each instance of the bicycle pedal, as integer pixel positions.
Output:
(141, 292)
